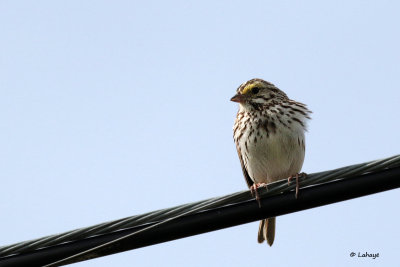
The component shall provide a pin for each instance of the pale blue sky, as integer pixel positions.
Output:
(115, 108)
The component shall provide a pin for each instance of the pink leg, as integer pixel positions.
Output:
(297, 176)
(254, 191)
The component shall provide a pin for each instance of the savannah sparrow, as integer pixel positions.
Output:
(269, 137)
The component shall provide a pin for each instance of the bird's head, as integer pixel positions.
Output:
(257, 92)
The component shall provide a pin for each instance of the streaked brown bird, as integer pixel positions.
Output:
(269, 137)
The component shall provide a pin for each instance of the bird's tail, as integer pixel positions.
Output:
(266, 231)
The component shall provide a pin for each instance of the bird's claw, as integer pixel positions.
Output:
(254, 191)
(297, 176)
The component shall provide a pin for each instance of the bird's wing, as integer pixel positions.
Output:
(245, 173)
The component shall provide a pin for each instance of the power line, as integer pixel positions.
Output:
(320, 189)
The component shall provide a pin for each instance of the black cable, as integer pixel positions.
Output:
(274, 188)
(211, 220)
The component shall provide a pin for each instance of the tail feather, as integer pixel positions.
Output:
(266, 231)
(260, 237)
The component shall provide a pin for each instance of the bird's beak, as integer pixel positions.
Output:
(238, 98)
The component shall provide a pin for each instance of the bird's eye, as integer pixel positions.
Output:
(255, 90)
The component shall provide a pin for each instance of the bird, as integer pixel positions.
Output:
(269, 133)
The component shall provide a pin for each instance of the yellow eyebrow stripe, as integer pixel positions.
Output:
(248, 87)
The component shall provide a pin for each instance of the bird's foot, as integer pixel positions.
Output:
(297, 176)
(254, 191)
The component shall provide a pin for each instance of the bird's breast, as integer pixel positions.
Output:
(270, 151)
